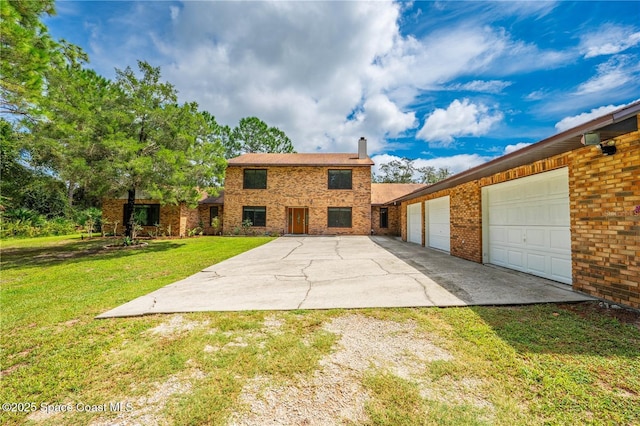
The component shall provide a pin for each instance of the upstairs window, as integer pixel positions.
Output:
(339, 179)
(255, 179)
(144, 214)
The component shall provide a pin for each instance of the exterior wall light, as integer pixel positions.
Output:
(607, 147)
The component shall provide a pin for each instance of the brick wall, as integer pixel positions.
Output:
(604, 197)
(113, 210)
(605, 225)
(393, 217)
(466, 221)
(204, 212)
(299, 187)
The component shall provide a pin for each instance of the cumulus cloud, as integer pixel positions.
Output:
(459, 119)
(575, 120)
(511, 148)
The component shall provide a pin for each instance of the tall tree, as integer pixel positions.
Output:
(26, 51)
(69, 140)
(405, 171)
(161, 147)
(219, 134)
(396, 171)
(254, 135)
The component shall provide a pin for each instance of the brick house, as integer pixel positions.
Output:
(174, 220)
(312, 194)
(566, 208)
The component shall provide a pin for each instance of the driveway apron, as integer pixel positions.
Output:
(325, 272)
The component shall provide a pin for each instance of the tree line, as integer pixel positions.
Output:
(71, 136)
(405, 170)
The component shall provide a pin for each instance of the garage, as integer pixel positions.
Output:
(414, 223)
(526, 225)
(438, 224)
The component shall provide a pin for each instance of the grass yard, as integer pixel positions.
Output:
(542, 364)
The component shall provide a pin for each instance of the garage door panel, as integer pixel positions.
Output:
(514, 236)
(536, 262)
(515, 259)
(529, 225)
(561, 270)
(560, 239)
(536, 238)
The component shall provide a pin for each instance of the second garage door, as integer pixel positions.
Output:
(528, 225)
(414, 223)
(437, 223)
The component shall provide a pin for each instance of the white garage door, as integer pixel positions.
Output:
(414, 223)
(529, 225)
(437, 223)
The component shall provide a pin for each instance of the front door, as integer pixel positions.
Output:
(298, 220)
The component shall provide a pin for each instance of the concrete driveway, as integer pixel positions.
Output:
(345, 272)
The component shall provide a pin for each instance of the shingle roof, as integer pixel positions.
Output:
(316, 159)
(212, 199)
(382, 193)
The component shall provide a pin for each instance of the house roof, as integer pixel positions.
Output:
(609, 126)
(213, 199)
(315, 159)
(382, 193)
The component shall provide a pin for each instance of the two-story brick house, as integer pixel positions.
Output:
(312, 194)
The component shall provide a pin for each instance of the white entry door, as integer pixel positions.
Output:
(438, 224)
(529, 225)
(414, 223)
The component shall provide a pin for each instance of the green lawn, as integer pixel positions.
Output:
(542, 364)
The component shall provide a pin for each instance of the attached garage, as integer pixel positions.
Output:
(438, 224)
(526, 225)
(414, 223)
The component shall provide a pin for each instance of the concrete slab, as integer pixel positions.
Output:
(345, 272)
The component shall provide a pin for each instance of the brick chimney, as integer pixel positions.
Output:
(362, 148)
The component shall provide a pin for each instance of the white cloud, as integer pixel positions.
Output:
(612, 74)
(511, 148)
(387, 116)
(491, 86)
(573, 121)
(609, 39)
(459, 119)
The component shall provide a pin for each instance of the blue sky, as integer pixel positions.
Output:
(448, 83)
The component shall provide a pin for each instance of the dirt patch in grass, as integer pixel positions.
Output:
(590, 309)
(335, 394)
(176, 325)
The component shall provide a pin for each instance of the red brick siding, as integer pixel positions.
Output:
(292, 186)
(204, 211)
(604, 193)
(605, 228)
(113, 210)
(466, 221)
(394, 221)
